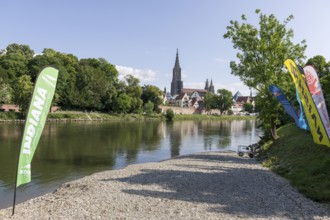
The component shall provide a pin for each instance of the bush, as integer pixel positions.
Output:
(169, 114)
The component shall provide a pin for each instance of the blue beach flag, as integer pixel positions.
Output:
(277, 92)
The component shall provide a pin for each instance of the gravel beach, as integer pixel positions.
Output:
(216, 185)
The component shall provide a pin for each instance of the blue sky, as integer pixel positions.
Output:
(141, 37)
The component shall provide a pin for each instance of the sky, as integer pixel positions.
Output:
(141, 37)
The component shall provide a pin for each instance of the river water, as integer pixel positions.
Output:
(68, 151)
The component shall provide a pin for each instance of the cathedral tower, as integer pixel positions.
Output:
(176, 84)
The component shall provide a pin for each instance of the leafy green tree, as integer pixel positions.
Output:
(262, 52)
(149, 108)
(22, 92)
(134, 90)
(224, 100)
(123, 103)
(5, 92)
(210, 101)
(95, 80)
(153, 94)
(248, 107)
(14, 61)
(67, 65)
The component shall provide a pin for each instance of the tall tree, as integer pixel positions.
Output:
(224, 100)
(14, 61)
(134, 90)
(22, 92)
(5, 92)
(153, 94)
(262, 52)
(210, 101)
(96, 80)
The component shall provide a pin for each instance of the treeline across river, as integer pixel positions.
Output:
(84, 84)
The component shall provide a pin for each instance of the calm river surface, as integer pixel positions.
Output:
(69, 151)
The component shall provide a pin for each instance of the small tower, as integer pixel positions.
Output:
(211, 88)
(207, 85)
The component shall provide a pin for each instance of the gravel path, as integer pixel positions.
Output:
(200, 186)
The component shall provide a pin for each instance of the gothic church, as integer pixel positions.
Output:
(177, 83)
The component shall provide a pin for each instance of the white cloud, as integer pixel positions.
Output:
(146, 75)
(220, 60)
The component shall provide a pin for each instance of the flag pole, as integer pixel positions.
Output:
(14, 200)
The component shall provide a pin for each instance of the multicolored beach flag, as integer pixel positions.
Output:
(42, 97)
(314, 87)
(316, 126)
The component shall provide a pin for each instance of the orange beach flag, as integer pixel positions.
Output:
(313, 117)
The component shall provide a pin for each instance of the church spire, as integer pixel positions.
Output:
(176, 84)
(177, 64)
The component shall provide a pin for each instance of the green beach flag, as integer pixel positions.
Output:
(40, 104)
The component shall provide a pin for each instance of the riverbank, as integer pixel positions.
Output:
(200, 186)
(296, 157)
(64, 116)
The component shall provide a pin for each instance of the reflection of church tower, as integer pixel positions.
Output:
(176, 84)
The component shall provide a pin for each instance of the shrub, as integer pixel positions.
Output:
(169, 114)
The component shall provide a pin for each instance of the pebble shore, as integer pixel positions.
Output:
(215, 185)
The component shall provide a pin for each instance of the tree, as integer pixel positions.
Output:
(153, 94)
(22, 92)
(134, 90)
(5, 92)
(210, 101)
(123, 103)
(224, 100)
(14, 61)
(67, 65)
(149, 108)
(95, 80)
(262, 52)
(248, 107)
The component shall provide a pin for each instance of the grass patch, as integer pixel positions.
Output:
(297, 158)
(11, 115)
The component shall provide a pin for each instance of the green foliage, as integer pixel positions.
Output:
(149, 108)
(262, 52)
(297, 158)
(22, 92)
(248, 107)
(210, 101)
(153, 94)
(169, 114)
(86, 84)
(123, 103)
(224, 100)
(5, 92)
